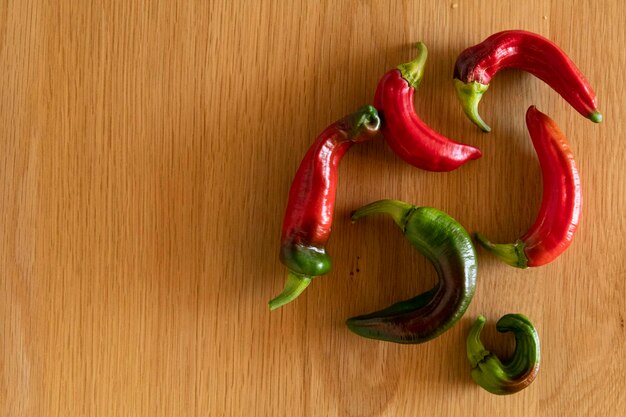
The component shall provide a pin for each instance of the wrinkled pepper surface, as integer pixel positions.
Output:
(516, 374)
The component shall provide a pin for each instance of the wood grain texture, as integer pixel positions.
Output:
(146, 155)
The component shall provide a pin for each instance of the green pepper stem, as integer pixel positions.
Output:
(398, 210)
(476, 351)
(295, 284)
(511, 253)
(413, 71)
(367, 119)
(469, 95)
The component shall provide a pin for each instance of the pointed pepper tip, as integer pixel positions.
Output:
(595, 117)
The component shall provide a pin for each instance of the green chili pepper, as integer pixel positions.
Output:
(517, 373)
(451, 251)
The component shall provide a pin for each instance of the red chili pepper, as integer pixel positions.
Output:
(526, 51)
(309, 214)
(561, 204)
(408, 136)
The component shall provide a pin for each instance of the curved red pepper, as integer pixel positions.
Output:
(309, 214)
(561, 204)
(526, 51)
(407, 135)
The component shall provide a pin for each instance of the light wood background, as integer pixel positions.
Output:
(146, 152)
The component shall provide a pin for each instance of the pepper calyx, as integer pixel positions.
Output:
(365, 119)
(511, 253)
(308, 260)
(413, 71)
(469, 94)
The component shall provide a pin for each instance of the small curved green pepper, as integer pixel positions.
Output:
(450, 249)
(516, 374)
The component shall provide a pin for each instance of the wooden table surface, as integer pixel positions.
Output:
(146, 156)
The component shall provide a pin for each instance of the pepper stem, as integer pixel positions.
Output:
(511, 253)
(295, 284)
(413, 71)
(469, 95)
(366, 119)
(476, 351)
(398, 210)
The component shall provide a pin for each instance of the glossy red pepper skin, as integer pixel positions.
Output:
(526, 51)
(561, 205)
(407, 135)
(309, 215)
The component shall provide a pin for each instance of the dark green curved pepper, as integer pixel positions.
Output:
(516, 374)
(450, 249)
